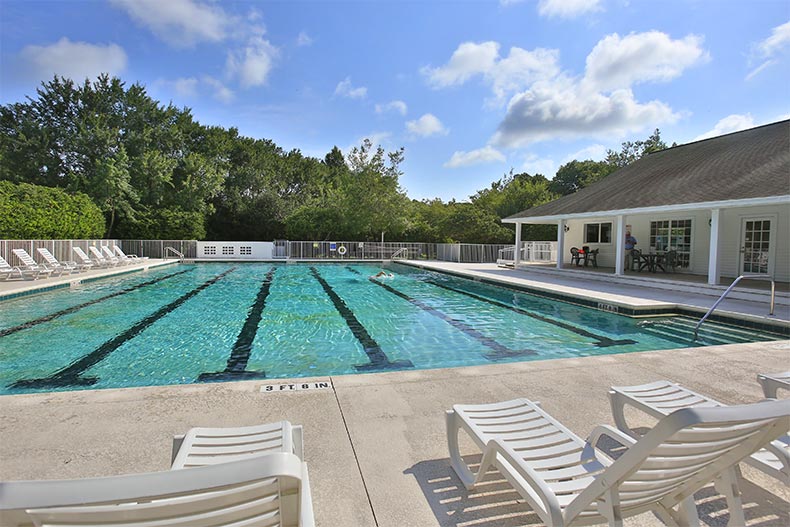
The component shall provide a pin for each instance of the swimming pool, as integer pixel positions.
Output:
(218, 321)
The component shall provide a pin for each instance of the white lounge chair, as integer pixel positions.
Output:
(123, 256)
(773, 382)
(7, 271)
(30, 265)
(265, 490)
(99, 257)
(53, 263)
(661, 398)
(109, 255)
(209, 446)
(84, 260)
(569, 481)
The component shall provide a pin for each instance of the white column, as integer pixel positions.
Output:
(714, 270)
(560, 243)
(619, 233)
(517, 251)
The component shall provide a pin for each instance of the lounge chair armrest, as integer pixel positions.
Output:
(536, 488)
(306, 517)
(612, 433)
(178, 440)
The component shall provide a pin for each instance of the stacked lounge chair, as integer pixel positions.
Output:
(55, 265)
(30, 266)
(123, 256)
(109, 255)
(102, 259)
(86, 261)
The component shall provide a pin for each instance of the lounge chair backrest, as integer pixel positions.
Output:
(48, 256)
(25, 258)
(107, 252)
(84, 257)
(97, 254)
(686, 450)
(4, 264)
(269, 490)
(119, 252)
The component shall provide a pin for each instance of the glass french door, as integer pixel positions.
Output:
(755, 246)
(672, 235)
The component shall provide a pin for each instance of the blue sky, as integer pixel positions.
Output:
(471, 89)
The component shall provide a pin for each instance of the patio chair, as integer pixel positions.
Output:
(109, 255)
(773, 382)
(30, 265)
(271, 489)
(569, 481)
(99, 257)
(661, 398)
(670, 261)
(576, 256)
(591, 257)
(209, 446)
(122, 255)
(53, 263)
(637, 263)
(85, 260)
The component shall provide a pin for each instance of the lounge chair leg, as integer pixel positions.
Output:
(466, 476)
(609, 507)
(727, 484)
(618, 412)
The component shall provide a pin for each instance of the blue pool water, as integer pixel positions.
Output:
(217, 321)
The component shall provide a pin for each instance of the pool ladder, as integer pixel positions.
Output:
(724, 295)
(176, 252)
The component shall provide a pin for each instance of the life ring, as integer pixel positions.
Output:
(342, 250)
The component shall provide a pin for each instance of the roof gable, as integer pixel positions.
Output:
(749, 164)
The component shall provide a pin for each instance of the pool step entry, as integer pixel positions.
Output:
(681, 330)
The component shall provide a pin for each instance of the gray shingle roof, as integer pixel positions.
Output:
(753, 163)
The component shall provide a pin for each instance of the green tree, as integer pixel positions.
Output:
(633, 150)
(575, 175)
(35, 212)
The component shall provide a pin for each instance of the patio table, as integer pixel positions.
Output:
(652, 261)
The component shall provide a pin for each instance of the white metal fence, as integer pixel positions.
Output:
(530, 252)
(299, 250)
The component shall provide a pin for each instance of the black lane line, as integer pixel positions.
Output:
(72, 309)
(240, 353)
(378, 359)
(71, 375)
(500, 351)
(602, 342)
(352, 269)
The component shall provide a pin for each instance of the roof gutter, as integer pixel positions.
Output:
(725, 204)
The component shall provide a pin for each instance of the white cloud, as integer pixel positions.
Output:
(395, 106)
(377, 138)
(539, 165)
(181, 23)
(592, 152)
(303, 39)
(345, 89)
(729, 124)
(567, 8)
(183, 87)
(252, 63)
(221, 92)
(562, 108)
(619, 62)
(75, 60)
(468, 60)
(487, 154)
(426, 126)
(767, 50)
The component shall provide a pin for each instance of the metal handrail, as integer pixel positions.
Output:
(721, 298)
(399, 251)
(177, 252)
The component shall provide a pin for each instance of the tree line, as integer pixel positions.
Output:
(155, 172)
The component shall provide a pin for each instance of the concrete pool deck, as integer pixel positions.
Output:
(16, 288)
(375, 443)
(628, 294)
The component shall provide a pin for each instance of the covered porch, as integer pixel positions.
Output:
(713, 242)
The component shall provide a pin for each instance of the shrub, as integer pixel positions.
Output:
(35, 212)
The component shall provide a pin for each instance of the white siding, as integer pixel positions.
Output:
(730, 229)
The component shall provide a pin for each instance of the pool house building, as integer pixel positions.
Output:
(721, 205)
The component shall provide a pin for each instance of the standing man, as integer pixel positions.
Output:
(630, 241)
